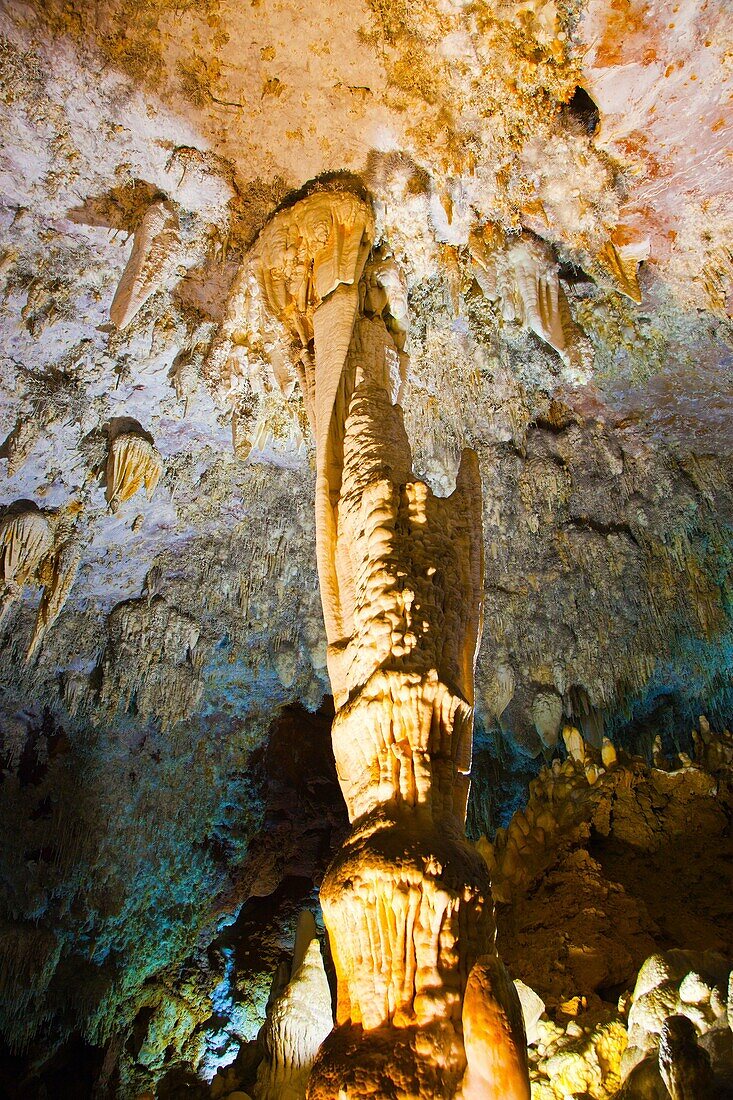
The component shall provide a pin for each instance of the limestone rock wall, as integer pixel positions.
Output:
(552, 179)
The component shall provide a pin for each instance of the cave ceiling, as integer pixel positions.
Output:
(597, 133)
(573, 148)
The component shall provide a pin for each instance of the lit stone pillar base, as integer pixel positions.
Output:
(389, 1063)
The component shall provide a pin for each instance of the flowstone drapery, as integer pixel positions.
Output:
(425, 1008)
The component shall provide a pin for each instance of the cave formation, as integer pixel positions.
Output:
(366, 605)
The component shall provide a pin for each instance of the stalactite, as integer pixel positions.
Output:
(132, 462)
(63, 570)
(155, 252)
(39, 549)
(184, 374)
(620, 259)
(521, 275)
(308, 256)
(26, 538)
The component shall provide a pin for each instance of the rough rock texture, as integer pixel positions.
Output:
(589, 901)
(409, 920)
(553, 180)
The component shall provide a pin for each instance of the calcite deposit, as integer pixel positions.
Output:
(132, 462)
(365, 448)
(153, 258)
(298, 1020)
(399, 572)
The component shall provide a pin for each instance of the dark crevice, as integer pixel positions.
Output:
(589, 524)
(582, 108)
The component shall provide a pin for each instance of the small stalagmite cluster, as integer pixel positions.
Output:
(424, 1006)
(578, 918)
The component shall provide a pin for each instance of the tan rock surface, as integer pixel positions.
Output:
(581, 352)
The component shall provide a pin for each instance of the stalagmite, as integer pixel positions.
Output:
(494, 1035)
(155, 253)
(406, 901)
(132, 461)
(298, 1021)
(532, 1009)
(684, 1067)
(305, 933)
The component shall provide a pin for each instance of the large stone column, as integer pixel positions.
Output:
(424, 1007)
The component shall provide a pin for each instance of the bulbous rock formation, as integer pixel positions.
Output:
(406, 902)
(132, 461)
(671, 988)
